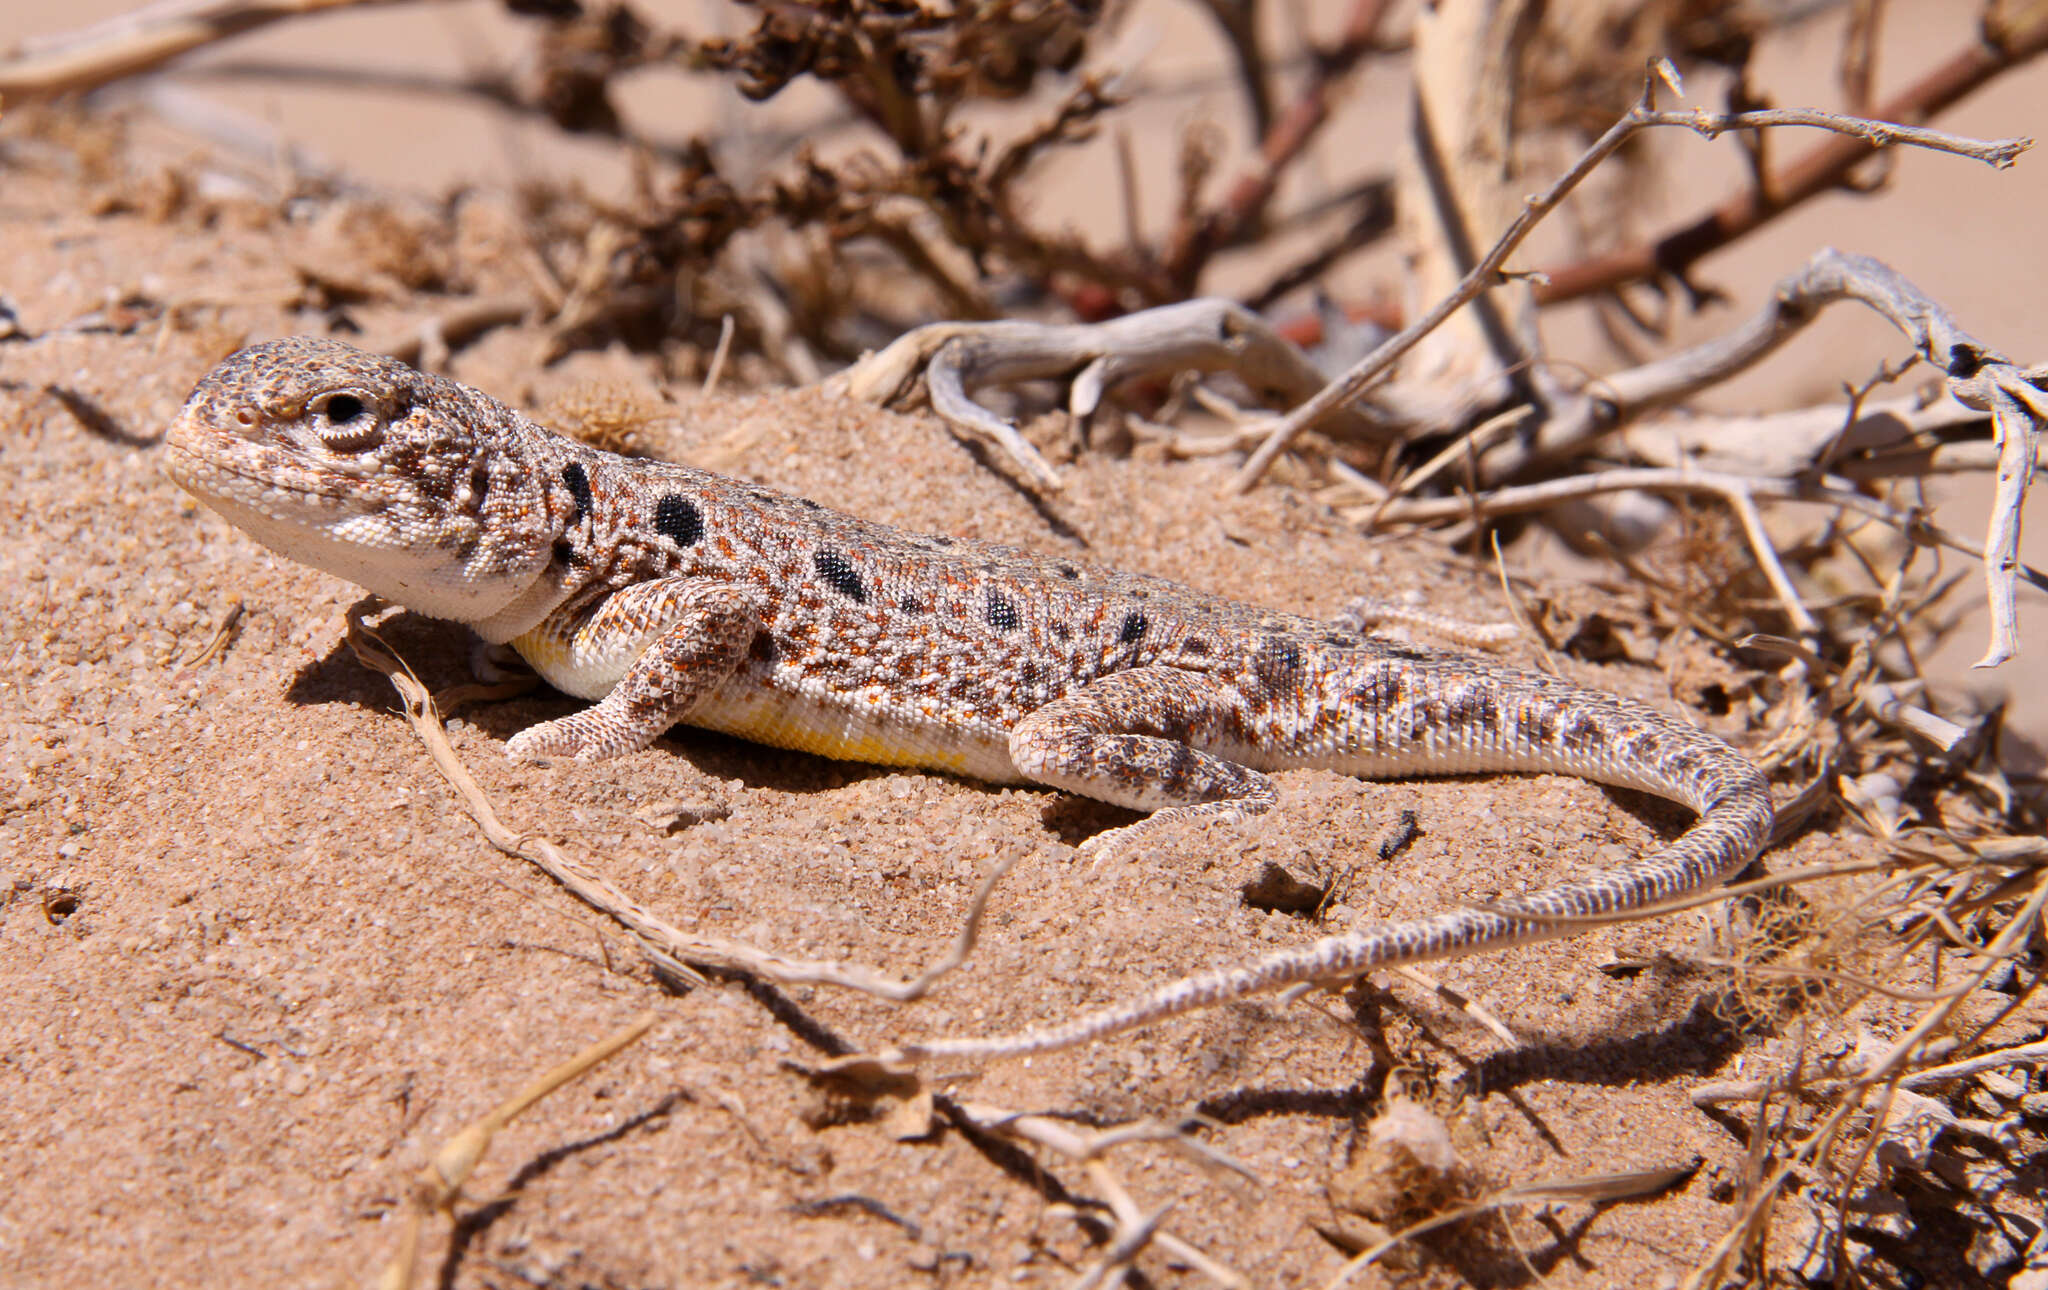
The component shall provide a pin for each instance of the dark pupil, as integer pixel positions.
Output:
(342, 409)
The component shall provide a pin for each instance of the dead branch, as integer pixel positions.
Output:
(1487, 272)
(1749, 1090)
(1532, 497)
(145, 39)
(2002, 44)
(944, 361)
(1978, 377)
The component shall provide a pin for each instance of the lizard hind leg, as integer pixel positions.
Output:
(652, 651)
(1131, 739)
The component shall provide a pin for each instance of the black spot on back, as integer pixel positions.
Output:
(1069, 572)
(942, 541)
(1002, 612)
(678, 519)
(838, 573)
(578, 485)
(1133, 629)
(808, 504)
(909, 605)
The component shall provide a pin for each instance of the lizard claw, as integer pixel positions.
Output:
(1101, 848)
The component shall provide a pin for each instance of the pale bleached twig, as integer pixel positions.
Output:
(1134, 1228)
(667, 945)
(80, 60)
(1723, 1091)
(1486, 273)
(1531, 497)
(1595, 1189)
(950, 359)
(2016, 414)
(718, 355)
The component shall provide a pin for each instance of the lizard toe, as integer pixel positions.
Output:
(561, 738)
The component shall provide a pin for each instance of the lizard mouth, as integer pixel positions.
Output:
(203, 459)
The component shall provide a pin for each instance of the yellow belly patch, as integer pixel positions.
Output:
(786, 720)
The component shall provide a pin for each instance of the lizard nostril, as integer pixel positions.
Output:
(245, 416)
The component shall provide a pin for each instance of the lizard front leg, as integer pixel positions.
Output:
(1134, 739)
(652, 650)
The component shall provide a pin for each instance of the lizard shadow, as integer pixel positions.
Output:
(1698, 1042)
(438, 652)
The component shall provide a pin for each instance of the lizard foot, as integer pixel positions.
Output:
(584, 736)
(496, 664)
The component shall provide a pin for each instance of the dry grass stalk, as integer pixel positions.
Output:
(440, 1183)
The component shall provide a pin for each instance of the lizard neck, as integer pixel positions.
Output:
(523, 613)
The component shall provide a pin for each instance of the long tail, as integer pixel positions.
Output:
(1549, 725)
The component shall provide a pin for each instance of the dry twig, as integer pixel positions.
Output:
(144, 39)
(2009, 37)
(1487, 273)
(946, 360)
(666, 945)
(1134, 1228)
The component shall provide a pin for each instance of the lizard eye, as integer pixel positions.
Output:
(343, 421)
(341, 409)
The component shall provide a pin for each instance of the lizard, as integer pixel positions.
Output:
(665, 594)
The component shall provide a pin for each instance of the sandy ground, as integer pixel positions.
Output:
(258, 964)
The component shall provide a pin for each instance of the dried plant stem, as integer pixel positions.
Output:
(440, 1182)
(1594, 1189)
(1996, 47)
(144, 39)
(667, 945)
(1529, 497)
(945, 361)
(1134, 1229)
(1487, 272)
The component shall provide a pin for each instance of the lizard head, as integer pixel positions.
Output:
(409, 485)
